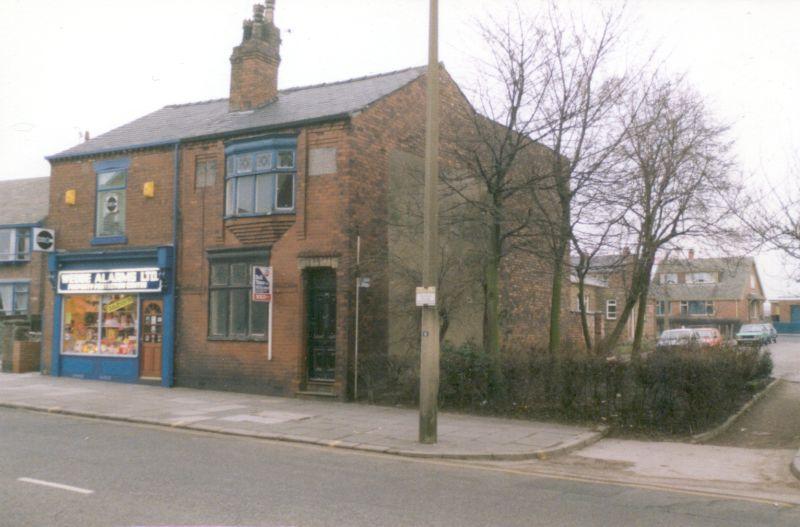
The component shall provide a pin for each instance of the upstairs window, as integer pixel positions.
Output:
(111, 186)
(205, 172)
(15, 245)
(260, 178)
(611, 309)
(669, 278)
(701, 278)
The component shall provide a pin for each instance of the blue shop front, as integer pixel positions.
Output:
(114, 315)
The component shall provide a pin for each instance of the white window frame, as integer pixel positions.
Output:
(692, 278)
(15, 285)
(610, 304)
(12, 253)
(666, 280)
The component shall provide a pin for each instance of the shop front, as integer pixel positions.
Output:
(114, 315)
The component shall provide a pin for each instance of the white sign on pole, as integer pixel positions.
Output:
(262, 284)
(426, 296)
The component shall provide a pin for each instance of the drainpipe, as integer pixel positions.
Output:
(169, 368)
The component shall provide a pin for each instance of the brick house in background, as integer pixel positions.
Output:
(163, 222)
(712, 292)
(605, 289)
(22, 270)
(785, 312)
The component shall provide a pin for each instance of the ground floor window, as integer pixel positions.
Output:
(232, 314)
(101, 325)
(14, 298)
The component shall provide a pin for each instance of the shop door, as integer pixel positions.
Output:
(321, 324)
(152, 330)
(795, 313)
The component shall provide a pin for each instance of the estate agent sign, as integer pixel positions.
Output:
(262, 284)
(144, 280)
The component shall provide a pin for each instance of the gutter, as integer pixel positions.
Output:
(207, 137)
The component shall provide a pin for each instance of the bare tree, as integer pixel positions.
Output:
(542, 136)
(678, 184)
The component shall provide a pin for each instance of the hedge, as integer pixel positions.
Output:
(667, 392)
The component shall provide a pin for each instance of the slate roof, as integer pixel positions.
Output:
(24, 201)
(734, 277)
(211, 118)
(602, 263)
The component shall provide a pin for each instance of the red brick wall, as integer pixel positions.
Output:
(148, 221)
(318, 229)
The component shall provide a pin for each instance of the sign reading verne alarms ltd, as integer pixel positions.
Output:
(114, 281)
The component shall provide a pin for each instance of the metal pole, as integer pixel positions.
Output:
(429, 359)
(358, 288)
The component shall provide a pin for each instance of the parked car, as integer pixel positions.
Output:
(710, 337)
(678, 338)
(753, 334)
(773, 333)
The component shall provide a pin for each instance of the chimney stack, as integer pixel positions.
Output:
(254, 62)
(691, 254)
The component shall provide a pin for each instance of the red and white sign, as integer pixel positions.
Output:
(262, 284)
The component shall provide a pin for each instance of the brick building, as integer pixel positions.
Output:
(22, 269)
(165, 222)
(711, 292)
(605, 289)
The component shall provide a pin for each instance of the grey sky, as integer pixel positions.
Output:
(68, 67)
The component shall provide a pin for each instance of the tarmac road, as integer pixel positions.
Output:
(121, 474)
(774, 421)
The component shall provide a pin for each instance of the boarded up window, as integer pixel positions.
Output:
(321, 161)
(205, 172)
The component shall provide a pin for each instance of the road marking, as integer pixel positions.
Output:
(56, 485)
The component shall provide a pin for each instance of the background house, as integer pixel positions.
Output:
(25, 205)
(605, 288)
(785, 314)
(717, 292)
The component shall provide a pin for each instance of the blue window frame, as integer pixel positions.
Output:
(15, 244)
(14, 298)
(110, 205)
(260, 177)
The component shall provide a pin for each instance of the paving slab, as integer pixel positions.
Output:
(334, 424)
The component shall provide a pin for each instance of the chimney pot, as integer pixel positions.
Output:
(270, 11)
(254, 63)
(258, 13)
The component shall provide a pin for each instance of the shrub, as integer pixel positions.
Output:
(672, 392)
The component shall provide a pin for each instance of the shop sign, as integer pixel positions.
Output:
(262, 284)
(144, 280)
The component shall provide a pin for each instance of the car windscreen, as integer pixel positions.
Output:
(751, 328)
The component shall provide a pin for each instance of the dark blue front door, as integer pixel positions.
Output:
(795, 313)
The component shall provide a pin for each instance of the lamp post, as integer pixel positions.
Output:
(429, 356)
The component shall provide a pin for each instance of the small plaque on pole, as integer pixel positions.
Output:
(262, 284)
(426, 296)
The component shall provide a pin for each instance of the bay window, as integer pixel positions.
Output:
(260, 178)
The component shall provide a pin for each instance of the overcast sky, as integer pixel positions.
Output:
(69, 67)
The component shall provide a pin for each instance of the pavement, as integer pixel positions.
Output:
(326, 423)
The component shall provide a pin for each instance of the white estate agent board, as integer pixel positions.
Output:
(262, 292)
(262, 283)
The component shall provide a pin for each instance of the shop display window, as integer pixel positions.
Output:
(101, 325)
